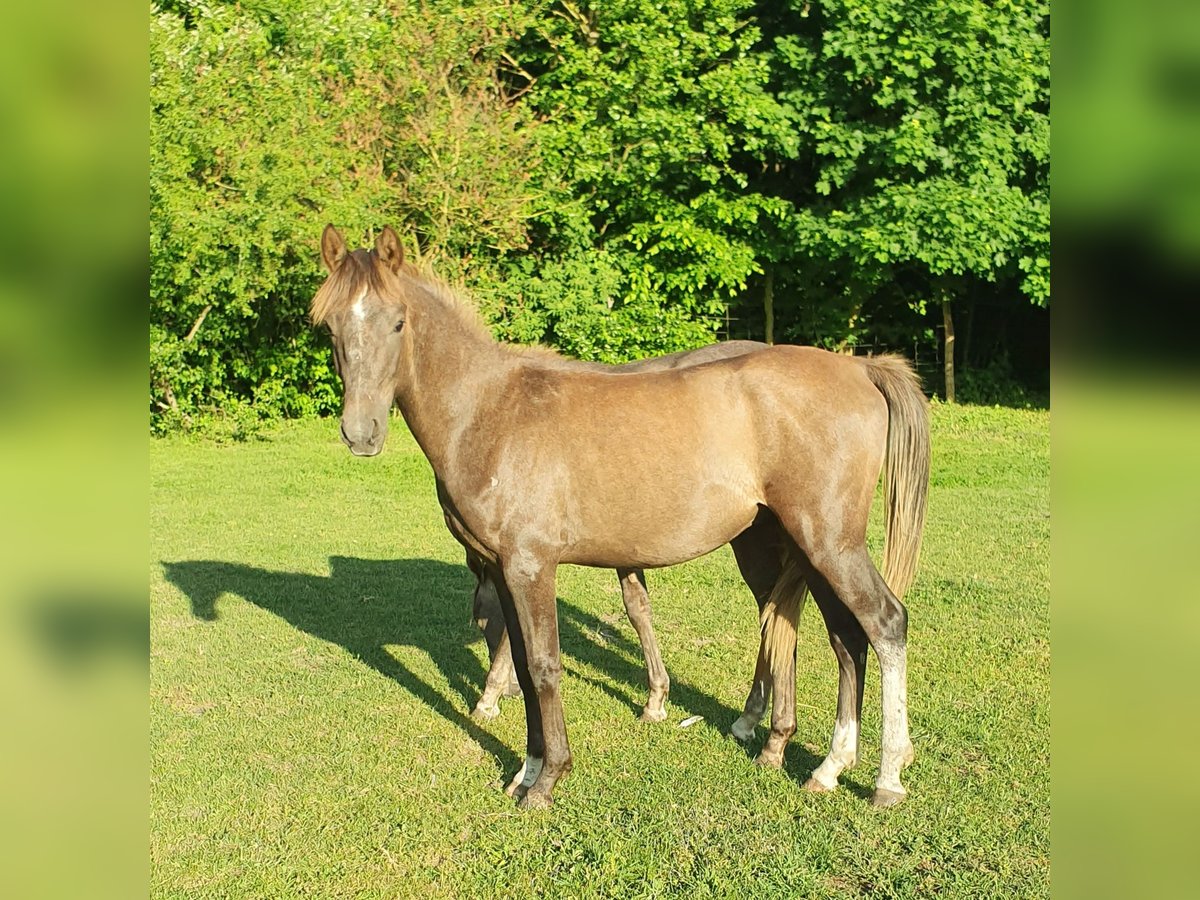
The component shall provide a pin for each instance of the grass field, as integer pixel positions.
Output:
(313, 666)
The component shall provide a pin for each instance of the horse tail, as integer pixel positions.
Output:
(905, 467)
(780, 614)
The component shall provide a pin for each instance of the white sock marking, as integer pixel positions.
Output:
(530, 770)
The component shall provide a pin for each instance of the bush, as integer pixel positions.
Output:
(996, 385)
(269, 121)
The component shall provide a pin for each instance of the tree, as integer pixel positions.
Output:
(923, 152)
(648, 229)
(609, 178)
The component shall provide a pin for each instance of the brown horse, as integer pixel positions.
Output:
(538, 465)
(501, 677)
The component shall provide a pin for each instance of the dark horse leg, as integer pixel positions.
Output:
(779, 590)
(758, 554)
(527, 596)
(501, 677)
(757, 551)
(849, 643)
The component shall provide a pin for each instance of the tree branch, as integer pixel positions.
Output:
(196, 325)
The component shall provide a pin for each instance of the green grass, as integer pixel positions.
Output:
(314, 664)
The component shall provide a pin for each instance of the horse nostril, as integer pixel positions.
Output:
(345, 437)
(374, 430)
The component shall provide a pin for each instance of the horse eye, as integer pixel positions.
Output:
(399, 325)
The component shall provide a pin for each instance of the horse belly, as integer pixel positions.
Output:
(650, 523)
(656, 549)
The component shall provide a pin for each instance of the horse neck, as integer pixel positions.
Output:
(453, 370)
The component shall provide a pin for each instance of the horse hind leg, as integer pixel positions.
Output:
(849, 643)
(780, 617)
(637, 607)
(854, 580)
(756, 700)
(757, 551)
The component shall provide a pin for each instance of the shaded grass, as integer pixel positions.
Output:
(314, 664)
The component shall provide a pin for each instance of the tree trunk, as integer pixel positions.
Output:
(769, 306)
(948, 355)
(968, 357)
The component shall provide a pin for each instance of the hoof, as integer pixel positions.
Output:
(516, 790)
(653, 715)
(741, 731)
(482, 713)
(769, 760)
(817, 787)
(883, 798)
(535, 800)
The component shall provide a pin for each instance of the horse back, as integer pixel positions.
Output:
(691, 453)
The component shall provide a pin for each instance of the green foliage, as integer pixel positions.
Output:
(580, 304)
(612, 179)
(925, 129)
(271, 119)
(641, 137)
(995, 385)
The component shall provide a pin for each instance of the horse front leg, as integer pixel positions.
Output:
(501, 677)
(529, 606)
(637, 607)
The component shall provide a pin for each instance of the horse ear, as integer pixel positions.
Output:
(333, 248)
(387, 245)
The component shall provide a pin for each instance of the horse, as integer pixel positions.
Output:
(538, 465)
(501, 677)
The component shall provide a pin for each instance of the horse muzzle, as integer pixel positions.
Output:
(364, 438)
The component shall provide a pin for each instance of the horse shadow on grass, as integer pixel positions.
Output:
(365, 606)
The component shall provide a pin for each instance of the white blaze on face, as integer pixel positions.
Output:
(356, 336)
(358, 309)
